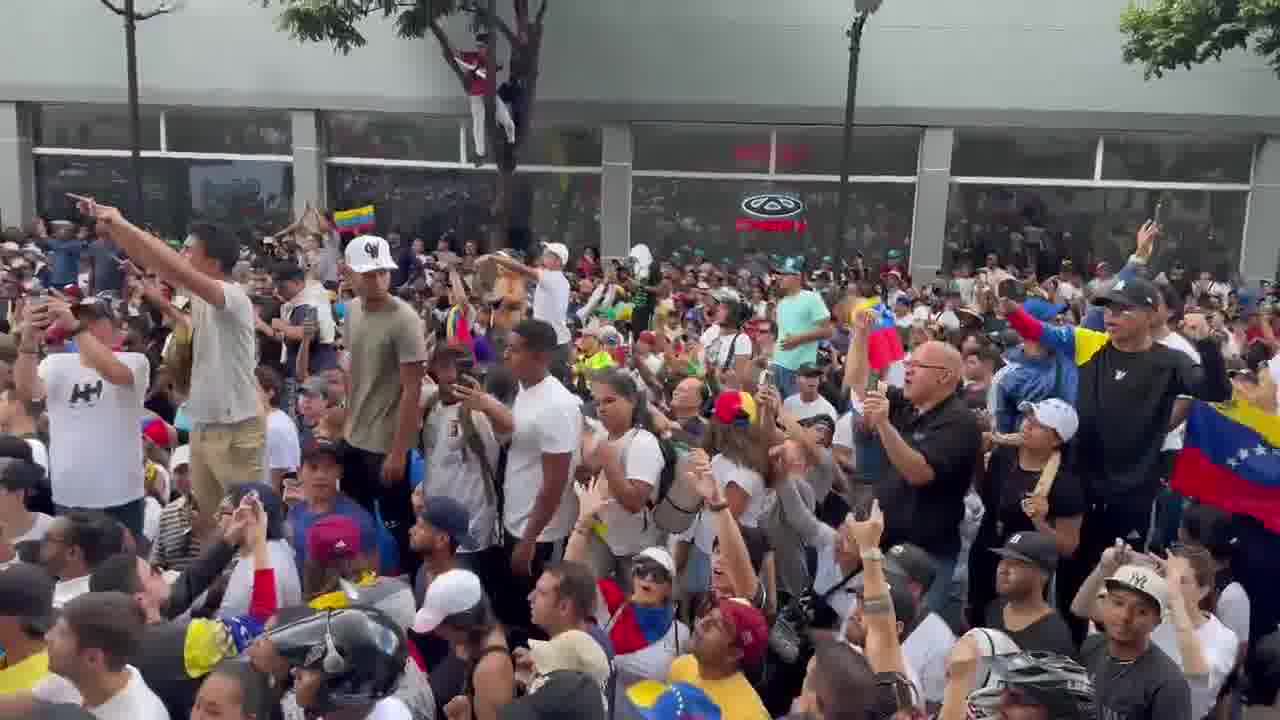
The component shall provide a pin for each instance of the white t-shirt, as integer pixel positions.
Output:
(240, 585)
(726, 473)
(629, 533)
(1174, 341)
(1219, 646)
(223, 388)
(38, 529)
(548, 420)
(718, 344)
(390, 708)
(134, 702)
(843, 435)
(801, 409)
(925, 652)
(151, 510)
(98, 427)
(1234, 610)
(454, 471)
(39, 453)
(284, 449)
(551, 302)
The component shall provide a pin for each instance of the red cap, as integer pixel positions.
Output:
(333, 537)
(648, 338)
(749, 625)
(157, 432)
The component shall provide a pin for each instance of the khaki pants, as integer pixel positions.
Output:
(224, 456)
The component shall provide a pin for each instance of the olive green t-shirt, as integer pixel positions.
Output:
(379, 343)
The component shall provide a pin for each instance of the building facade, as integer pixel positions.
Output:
(984, 126)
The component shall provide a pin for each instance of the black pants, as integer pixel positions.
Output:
(511, 599)
(362, 482)
(130, 514)
(1128, 519)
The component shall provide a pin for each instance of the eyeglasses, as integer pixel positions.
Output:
(1124, 312)
(912, 363)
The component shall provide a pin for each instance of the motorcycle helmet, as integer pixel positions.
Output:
(360, 650)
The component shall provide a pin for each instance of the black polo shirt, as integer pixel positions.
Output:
(950, 439)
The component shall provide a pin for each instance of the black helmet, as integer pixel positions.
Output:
(361, 651)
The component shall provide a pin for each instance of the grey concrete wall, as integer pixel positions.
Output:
(959, 62)
(17, 179)
(615, 191)
(933, 190)
(309, 170)
(1260, 256)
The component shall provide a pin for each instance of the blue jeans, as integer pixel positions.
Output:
(939, 594)
(784, 380)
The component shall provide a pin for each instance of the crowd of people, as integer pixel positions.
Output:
(358, 478)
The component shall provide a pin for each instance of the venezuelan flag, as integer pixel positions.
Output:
(1231, 460)
(884, 345)
(355, 221)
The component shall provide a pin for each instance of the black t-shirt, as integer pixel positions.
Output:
(1007, 484)
(1048, 634)
(950, 440)
(1149, 688)
(1124, 402)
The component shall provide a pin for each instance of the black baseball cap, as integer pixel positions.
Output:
(911, 562)
(1136, 293)
(17, 474)
(93, 308)
(316, 448)
(809, 370)
(26, 591)
(1035, 548)
(822, 419)
(451, 518)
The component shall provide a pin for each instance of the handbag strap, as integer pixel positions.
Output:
(831, 591)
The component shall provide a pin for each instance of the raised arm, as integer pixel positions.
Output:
(515, 266)
(1207, 381)
(153, 253)
(884, 650)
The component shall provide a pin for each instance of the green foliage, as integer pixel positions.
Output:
(1164, 35)
(337, 21)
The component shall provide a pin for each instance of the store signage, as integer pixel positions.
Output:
(771, 212)
(772, 206)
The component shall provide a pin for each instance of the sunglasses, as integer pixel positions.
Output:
(649, 570)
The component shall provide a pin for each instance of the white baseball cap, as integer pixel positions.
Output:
(1054, 413)
(660, 556)
(368, 253)
(1142, 580)
(454, 592)
(571, 650)
(181, 456)
(557, 249)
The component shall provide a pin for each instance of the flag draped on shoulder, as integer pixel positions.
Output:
(884, 345)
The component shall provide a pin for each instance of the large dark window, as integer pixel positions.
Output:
(1044, 225)
(562, 145)
(1177, 158)
(394, 136)
(817, 150)
(243, 196)
(1020, 152)
(261, 132)
(702, 148)
(98, 127)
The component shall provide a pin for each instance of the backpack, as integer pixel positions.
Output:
(678, 503)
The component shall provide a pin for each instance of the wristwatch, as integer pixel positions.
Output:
(872, 555)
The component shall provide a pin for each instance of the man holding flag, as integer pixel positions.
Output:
(928, 436)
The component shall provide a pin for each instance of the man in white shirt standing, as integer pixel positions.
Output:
(540, 506)
(94, 398)
(229, 432)
(90, 646)
(550, 298)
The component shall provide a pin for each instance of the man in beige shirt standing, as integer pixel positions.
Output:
(388, 353)
(228, 438)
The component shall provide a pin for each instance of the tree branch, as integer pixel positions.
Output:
(501, 24)
(107, 4)
(542, 12)
(450, 57)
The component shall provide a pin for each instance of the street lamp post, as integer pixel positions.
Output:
(135, 113)
(863, 9)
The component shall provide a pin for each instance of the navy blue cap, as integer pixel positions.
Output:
(451, 518)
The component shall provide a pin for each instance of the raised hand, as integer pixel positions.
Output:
(867, 533)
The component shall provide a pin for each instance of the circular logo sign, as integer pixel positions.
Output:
(772, 206)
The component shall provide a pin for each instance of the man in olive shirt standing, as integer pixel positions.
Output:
(388, 352)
